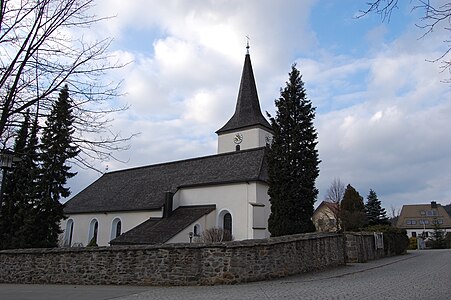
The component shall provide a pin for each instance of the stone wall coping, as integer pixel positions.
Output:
(362, 233)
(232, 244)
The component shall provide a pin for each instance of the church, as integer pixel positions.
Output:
(175, 201)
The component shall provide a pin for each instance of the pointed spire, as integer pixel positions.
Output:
(247, 111)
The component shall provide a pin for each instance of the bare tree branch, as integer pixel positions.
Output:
(434, 16)
(334, 195)
(41, 48)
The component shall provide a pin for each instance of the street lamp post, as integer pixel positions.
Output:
(6, 161)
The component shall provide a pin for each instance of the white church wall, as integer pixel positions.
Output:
(252, 138)
(81, 224)
(237, 199)
(229, 197)
(262, 211)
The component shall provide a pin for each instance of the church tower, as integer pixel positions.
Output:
(247, 128)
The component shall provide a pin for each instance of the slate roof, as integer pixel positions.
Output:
(159, 231)
(247, 111)
(144, 188)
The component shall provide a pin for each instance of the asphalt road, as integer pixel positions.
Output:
(418, 275)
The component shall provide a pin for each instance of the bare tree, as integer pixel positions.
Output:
(334, 195)
(42, 47)
(336, 191)
(215, 234)
(435, 15)
(394, 214)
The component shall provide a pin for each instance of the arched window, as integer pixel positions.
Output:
(68, 233)
(116, 228)
(237, 147)
(93, 231)
(196, 230)
(227, 221)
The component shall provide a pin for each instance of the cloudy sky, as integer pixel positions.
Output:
(383, 110)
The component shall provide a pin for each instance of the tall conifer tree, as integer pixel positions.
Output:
(352, 210)
(17, 221)
(292, 161)
(57, 148)
(374, 211)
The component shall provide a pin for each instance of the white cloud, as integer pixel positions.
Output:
(382, 117)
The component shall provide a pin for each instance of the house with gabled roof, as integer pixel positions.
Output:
(420, 219)
(325, 217)
(172, 202)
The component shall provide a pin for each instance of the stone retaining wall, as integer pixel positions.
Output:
(361, 247)
(175, 264)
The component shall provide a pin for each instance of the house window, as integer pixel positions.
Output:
(431, 213)
(196, 230)
(422, 212)
(116, 228)
(228, 222)
(68, 233)
(93, 231)
(411, 222)
(414, 234)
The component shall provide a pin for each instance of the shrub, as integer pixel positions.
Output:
(448, 240)
(215, 234)
(92, 242)
(395, 239)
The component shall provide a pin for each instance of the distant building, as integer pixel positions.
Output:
(420, 218)
(325, 217)
(176, 201)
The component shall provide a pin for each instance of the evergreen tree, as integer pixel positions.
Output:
(56, 149)
(292, 161)
(438, 236)
(17, 218)
(352, 210)
(375, 213)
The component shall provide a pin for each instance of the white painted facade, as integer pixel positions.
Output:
(428, 232)
(251, 138)
(82, 233)
(248, 203)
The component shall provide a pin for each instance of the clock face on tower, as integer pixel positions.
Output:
(238, 138)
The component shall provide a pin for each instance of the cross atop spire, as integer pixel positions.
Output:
(247, 112)
(247, 46)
